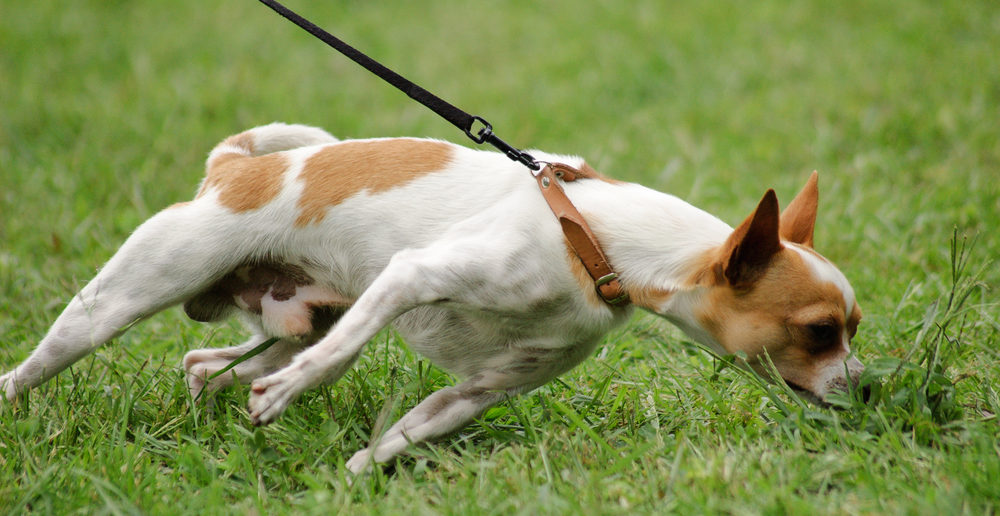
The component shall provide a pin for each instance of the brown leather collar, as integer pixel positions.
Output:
(581, 239)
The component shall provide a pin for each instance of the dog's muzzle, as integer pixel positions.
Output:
(839, 383)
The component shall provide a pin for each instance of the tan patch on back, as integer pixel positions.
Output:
(337, 172)
(245, 183)
(243, 141)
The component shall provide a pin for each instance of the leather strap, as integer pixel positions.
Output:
(581, 239)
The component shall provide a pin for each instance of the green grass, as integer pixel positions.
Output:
(107, 110)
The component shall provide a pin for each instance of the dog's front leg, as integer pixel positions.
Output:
(412, 278)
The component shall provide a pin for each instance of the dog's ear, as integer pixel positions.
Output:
(799, 217)
(748, 250)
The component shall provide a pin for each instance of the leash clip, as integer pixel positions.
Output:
(485, 132)
(486, 135)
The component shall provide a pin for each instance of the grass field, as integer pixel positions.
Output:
(107, 111)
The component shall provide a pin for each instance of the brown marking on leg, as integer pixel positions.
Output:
(337, 172)
(243, 141)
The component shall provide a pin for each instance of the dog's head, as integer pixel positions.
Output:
(767, 294)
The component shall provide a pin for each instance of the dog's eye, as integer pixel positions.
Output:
(823, 331)
(823, 335)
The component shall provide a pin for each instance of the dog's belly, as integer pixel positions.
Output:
(467, 342)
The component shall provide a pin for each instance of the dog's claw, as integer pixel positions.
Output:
(270, 396)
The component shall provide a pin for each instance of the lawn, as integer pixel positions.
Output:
(108, 109)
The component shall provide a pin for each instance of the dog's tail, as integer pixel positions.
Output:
(266, 139)
(259, 141)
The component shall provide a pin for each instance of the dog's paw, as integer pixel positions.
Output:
(271, 395)
(8, 389)
(359, 462)
(200, 365)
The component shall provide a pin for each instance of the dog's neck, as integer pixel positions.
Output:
(657, 243)
(654, 240)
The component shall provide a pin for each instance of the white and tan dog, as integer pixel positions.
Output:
(323, 243)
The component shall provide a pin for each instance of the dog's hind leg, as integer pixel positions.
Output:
(200, 364)
(170, 257)
(441, 413)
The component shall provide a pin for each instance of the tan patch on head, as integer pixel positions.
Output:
(799, 217)
(337, 172)
(787, 294)
(245, 183)
(789, 315)
(854, 319)
(705, 270)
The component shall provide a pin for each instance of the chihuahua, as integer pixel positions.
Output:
(321, 243)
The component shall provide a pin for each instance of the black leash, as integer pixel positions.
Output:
(459, 118)
(578, 234)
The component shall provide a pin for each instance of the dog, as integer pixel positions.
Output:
(321, 243)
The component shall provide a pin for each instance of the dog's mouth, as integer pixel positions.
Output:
(806, 394)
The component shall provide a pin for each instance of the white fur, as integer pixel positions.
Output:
(467, 263)
(826, 271)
